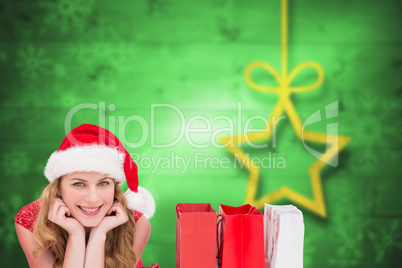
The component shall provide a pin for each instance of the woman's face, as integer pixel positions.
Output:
(88, 195)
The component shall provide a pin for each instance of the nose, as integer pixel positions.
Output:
(92, 196)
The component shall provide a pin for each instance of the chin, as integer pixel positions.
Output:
(90, 222)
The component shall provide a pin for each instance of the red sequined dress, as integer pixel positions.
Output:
(26, 217)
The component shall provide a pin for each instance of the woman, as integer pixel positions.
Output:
(83, 219)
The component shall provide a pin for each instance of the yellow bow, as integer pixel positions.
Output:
(285, 81)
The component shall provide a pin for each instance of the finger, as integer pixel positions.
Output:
(54, 207)
(59, 203)
(116, 205)
(59, 208)
(111, 210)
(55, 204)
(121, 213)
(68, 212)
(61, 212)
(64, 210)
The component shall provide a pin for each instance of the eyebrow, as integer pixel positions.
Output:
(79, 179)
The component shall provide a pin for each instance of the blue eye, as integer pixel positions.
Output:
(103, 183)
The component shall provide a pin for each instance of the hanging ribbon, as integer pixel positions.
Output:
(284, 88)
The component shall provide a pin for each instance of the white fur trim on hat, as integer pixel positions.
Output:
(101, 159)
(141, 201)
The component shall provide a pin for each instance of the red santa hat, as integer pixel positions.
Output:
(92, 148)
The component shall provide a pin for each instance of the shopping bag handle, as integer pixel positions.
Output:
(251, 210)
(179, 210)
(219, 238)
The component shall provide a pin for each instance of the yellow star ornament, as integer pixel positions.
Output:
(335, 143)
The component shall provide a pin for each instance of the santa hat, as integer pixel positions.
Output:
(92, 148)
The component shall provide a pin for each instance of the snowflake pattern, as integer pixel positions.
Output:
(386, 239)
(103, 49)
(15, 163)
(33, 62)
(349, 253)
(66, 14)
(350, 224)
(372, 124)
(30, 96)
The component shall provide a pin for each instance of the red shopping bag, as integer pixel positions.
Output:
(240, 237)
(195, 236)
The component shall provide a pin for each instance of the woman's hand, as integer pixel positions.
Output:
(94, 254)
(60, 214)
(114, 217)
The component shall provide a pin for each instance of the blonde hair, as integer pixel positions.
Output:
(119, 241)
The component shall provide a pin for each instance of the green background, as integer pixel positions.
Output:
(123, 57)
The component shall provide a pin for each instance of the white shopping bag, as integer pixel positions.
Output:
(283, 236)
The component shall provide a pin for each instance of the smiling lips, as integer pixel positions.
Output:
(90, 211)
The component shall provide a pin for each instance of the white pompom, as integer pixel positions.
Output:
(141, 201)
